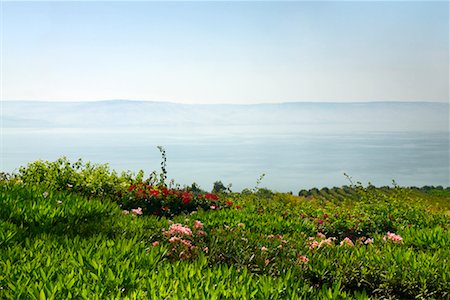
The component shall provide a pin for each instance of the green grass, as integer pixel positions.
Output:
(74, 244)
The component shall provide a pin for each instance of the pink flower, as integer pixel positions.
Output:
(206, 250)
(125, 212)
(174, 239)
(280, 246)
(321, 235)
(186, 242)
(393, 237)
(178, 229)
(201, 233)
(137, 211)
(313, 245)
(263, 248)
(266, 262)
(303, 259)
(198, 224)
(368, 241)
(326, 242)
(155, 244)
(347, 242)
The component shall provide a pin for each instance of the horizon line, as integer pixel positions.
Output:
(243, 104)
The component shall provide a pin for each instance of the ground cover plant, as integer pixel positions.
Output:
(80, 231)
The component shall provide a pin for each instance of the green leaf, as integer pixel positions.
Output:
(42, 295)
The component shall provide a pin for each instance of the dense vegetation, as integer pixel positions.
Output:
(80, 231)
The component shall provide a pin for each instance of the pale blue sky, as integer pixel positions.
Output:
(226, 52)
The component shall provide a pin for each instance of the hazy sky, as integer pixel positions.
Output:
(226, 52)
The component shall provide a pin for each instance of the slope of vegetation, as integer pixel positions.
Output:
(80, 231)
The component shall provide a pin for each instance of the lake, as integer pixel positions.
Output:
(291, 159)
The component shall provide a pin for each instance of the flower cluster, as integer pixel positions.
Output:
(393, 237)
(163, 201)
(184, 241)
(327, 242)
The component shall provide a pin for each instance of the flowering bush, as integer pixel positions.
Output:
(185, 242)
(163, 201)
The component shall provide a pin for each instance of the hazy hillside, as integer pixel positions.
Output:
(375, 116)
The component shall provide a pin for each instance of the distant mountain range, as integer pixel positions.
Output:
(373, 116)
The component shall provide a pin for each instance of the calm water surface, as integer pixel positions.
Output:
(291, 159)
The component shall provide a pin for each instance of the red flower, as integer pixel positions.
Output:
(186, 200)
(165, 192)
(229, 203)
(238, 207)
(211, 196)
(132, 187)
(140, 193)
(320, 222)
(154, 193)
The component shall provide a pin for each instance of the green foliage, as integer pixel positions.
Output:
(61, 242)
(87, 179)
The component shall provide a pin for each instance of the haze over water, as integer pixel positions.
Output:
(297, 145)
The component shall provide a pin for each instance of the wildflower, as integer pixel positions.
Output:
(303, 259)
(368, 241)
(198, 224)
(325, 216)
(213, 207)
(313, 245)
(154, 193)
(186, 199)
(242, 225)
(263, 248)
(347, 242)
(393, 237)
(201, 233)
(70, 185)
(186, 243)
(326, 242)
(266, 262)
(45, 194)
(178, 229)
(154, 244)
(125, 212)
(320, 222)
(137, 211)
(280, 246)
(174, 239)
(206, 250)
(238, 207)
(229, 203)
(321, 235)
(132, 187)
(211, 196)
(284, 241)
(59, 202)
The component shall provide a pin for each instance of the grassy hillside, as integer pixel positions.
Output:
(80, 231)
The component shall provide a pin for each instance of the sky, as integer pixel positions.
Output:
(225, 52)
